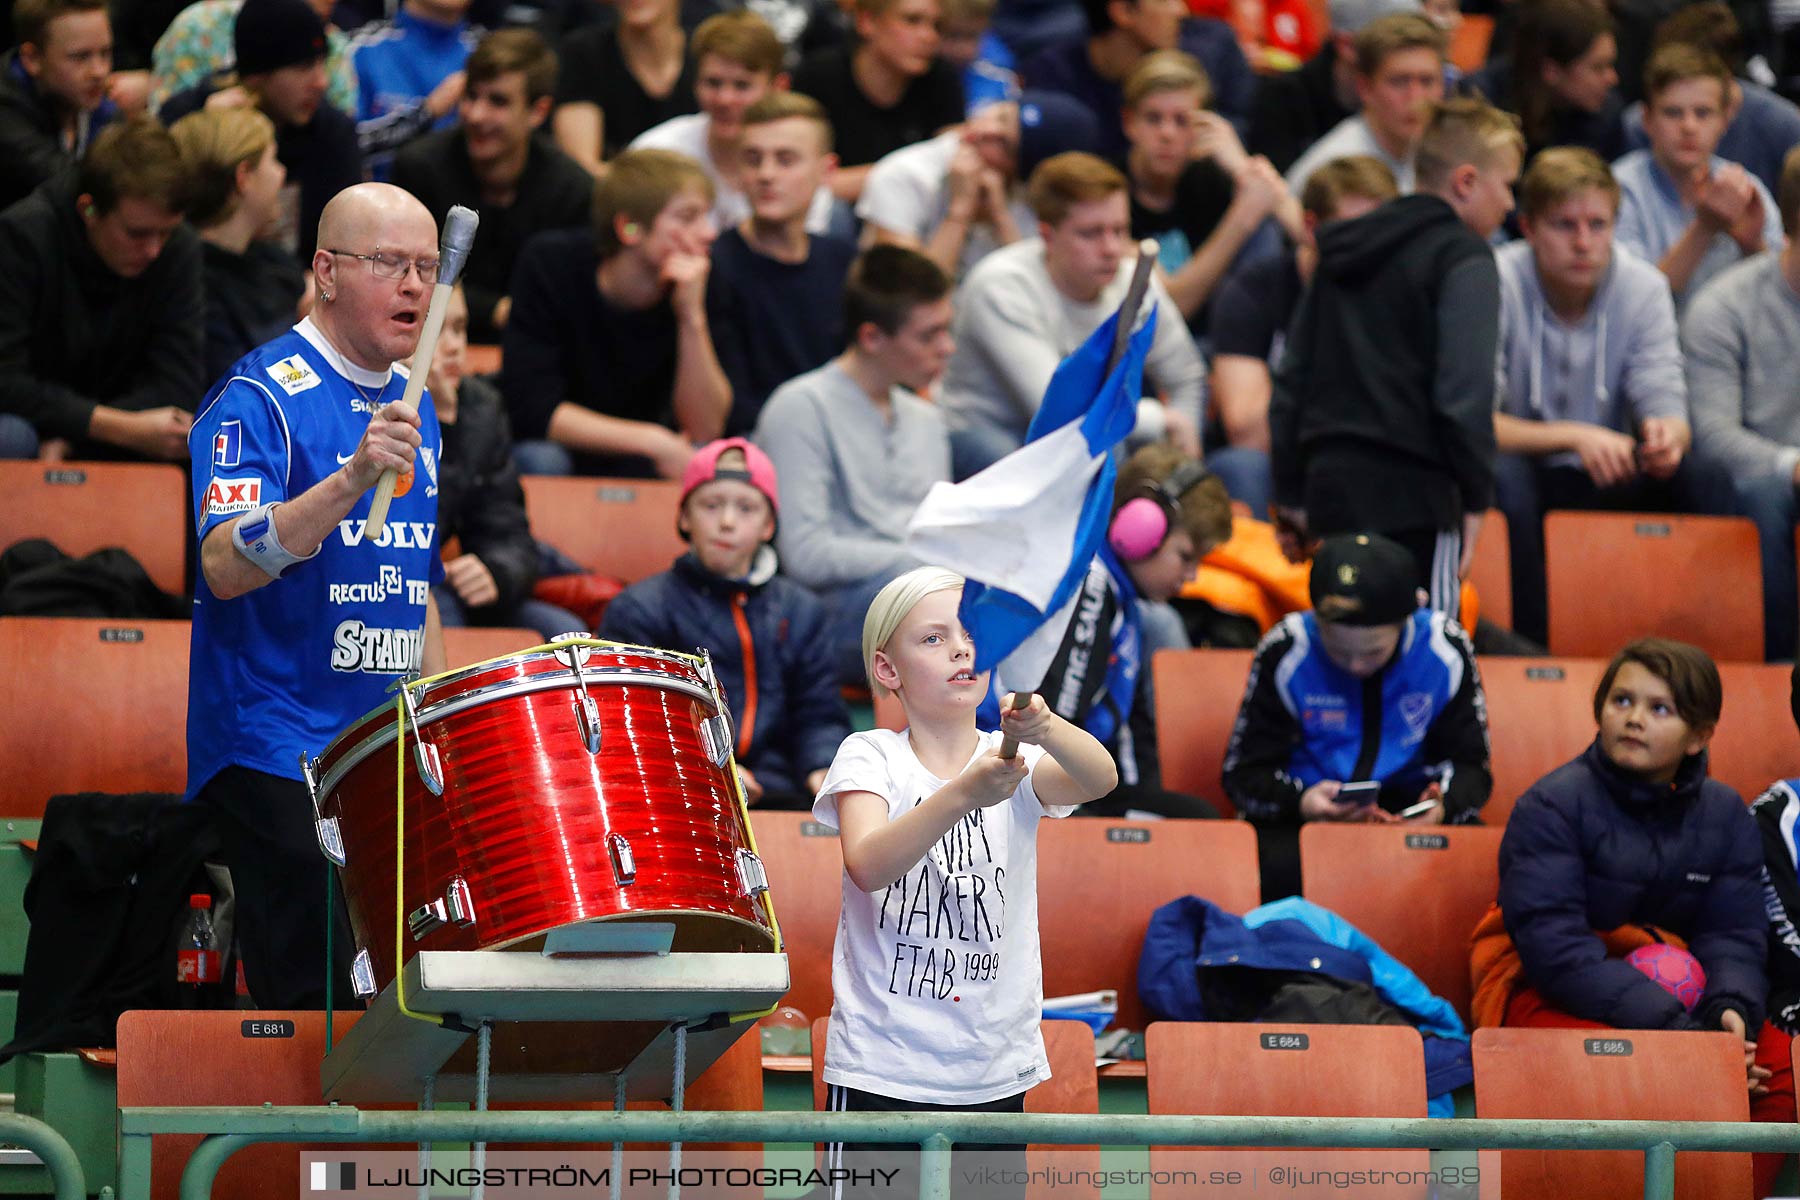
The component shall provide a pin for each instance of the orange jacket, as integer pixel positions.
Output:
(1250, 576)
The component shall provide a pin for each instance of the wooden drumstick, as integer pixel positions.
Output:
(459, 235)
(1009, 746)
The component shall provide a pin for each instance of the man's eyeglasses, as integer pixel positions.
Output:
(393, 266)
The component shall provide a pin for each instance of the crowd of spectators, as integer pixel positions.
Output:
(858, 238)
(673, 192)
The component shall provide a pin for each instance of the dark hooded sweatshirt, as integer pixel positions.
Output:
(1382, 417)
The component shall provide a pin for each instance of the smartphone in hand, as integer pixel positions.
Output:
(1419, 809)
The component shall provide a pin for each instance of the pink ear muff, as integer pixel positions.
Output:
(1138, 528)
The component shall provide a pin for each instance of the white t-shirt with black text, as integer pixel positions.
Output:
(937, 979)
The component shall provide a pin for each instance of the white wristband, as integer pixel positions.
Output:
(255, 539)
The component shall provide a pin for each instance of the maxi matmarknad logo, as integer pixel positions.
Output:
(333, 1177)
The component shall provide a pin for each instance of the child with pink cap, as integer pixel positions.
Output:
(763, 629)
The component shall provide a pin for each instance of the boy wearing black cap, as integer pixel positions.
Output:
(1367, 708)
(281, 47)
(763, 629)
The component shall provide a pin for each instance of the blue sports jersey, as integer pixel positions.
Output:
(286, 667)
(1327, 701)
(402, 61)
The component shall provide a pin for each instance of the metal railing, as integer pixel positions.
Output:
(229, 1130)
(52, 1149)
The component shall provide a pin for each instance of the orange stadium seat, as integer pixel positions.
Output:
(1197, 697)
(1254, 1070)
(1100, 879)
(1540, 715)
(467, 645)
(91, 705)
(82, 507)
(1491, 572)
(1602, 1075)
(1416, 891)
(1756, 742)
(805, 883)
(174, 1059)
(624, 528)
(1617, 576)
(481, 360)
(180, 1059)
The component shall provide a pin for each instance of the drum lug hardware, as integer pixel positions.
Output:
(572, 656)
(362, 975)
(715, 738)
(455, 905)
(751, 876)
(623, 864)
(331, 839)
(425, 755)
(709, 679)
(459, 902)
(587, 715)
(427, 918)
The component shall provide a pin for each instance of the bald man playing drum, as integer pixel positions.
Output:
(301, 623)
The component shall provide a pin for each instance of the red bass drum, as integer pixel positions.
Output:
(577, 798)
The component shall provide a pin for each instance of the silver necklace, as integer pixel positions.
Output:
(374, 402)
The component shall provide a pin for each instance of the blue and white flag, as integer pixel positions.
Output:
(1023, 531)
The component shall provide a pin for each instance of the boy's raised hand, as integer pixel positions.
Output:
(686, 276)
(1029, 723)
(1723, 196)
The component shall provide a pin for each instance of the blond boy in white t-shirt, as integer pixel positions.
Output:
(937, 976)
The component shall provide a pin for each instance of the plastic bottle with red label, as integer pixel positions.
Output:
(198, 960)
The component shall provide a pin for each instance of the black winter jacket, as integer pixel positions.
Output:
(479, 498)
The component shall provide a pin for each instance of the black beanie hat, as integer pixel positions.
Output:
(271, 34)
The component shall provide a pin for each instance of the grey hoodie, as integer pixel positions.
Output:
(1618, 366)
